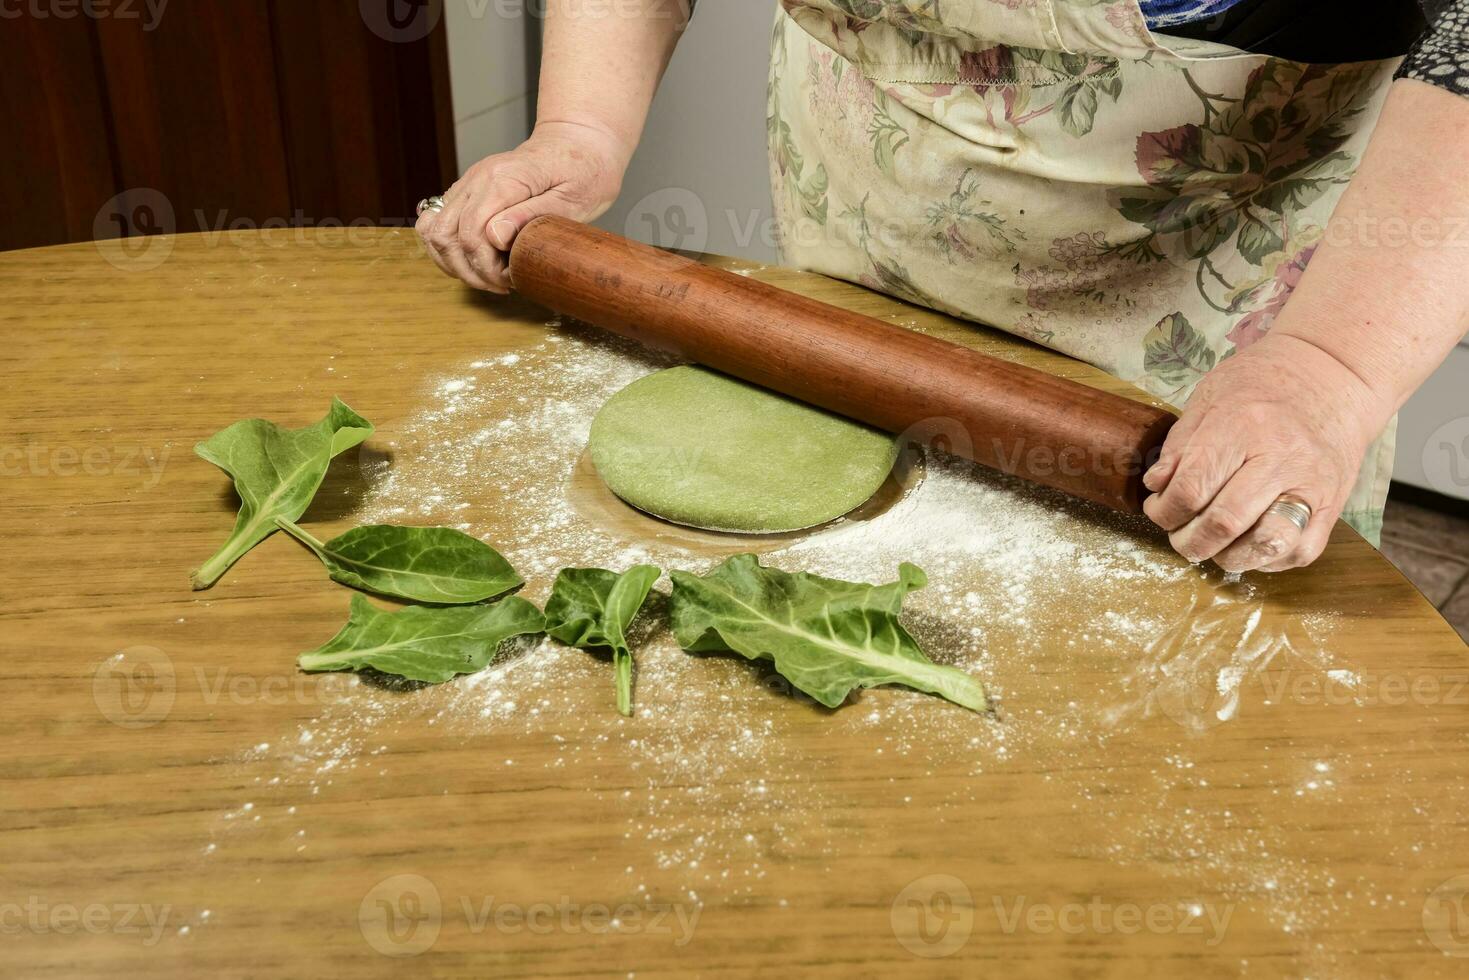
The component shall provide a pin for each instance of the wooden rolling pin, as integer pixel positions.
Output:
(1085, 442)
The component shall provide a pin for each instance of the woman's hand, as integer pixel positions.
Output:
(1280, 417)
(567, 169)
(1371, 318)
(598, 74)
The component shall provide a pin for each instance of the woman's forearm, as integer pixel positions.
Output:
(1383, 300)
(601, 62)
(1387, 292)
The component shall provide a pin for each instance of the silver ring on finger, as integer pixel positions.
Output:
(1293, 509)
(434, 204)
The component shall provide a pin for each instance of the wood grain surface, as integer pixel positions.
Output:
(178, 801)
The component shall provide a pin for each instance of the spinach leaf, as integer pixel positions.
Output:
(592, 607)
(276, 472)
(825, 636)
(424, 643)
(424, 564)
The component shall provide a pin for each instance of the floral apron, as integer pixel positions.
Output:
(1050, 167)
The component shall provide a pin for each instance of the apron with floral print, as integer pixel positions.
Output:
(1052, 168)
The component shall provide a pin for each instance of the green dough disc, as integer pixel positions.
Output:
(701, 448)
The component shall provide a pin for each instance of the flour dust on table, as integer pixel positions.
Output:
(1009, 565)
(1021, 581)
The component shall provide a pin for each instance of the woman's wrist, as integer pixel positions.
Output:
(1369, 403)
(616, 149)
(599, 70)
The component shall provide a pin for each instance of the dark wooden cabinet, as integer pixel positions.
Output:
(219, 112)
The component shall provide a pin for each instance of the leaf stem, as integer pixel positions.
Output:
(219, 563)
(301, 535)
(622, 666)
(623, 670)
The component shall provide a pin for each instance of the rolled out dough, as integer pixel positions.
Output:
(697, 447)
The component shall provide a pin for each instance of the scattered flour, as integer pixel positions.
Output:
(1024, 586)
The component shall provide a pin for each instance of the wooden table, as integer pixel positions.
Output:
(165, 766)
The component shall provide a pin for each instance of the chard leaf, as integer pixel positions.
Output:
(423, 564)
(423, 643)
(825, 636)
(592, 607)
(276, 472)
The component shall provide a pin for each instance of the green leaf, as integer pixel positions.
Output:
(1077, 108)
(1175, 352)
(1146, 210)
(1202, 221)
(787, 156)
(423, 564)
(812, 193)
(1206, 226)
(424, 643)
(1257, 239)
(276, 472)
(825, 636)
(1294, 195)
(592, 607)
(887, 134)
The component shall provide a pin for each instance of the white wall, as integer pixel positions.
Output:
(1433, 431)
(700, 179)
(489, 77)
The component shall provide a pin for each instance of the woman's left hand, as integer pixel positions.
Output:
(1282, 417)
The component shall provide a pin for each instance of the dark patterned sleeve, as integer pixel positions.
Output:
(1441, 56)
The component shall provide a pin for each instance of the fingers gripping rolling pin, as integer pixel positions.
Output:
(1085, 442)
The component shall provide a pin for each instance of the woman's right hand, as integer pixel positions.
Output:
(567, 169)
